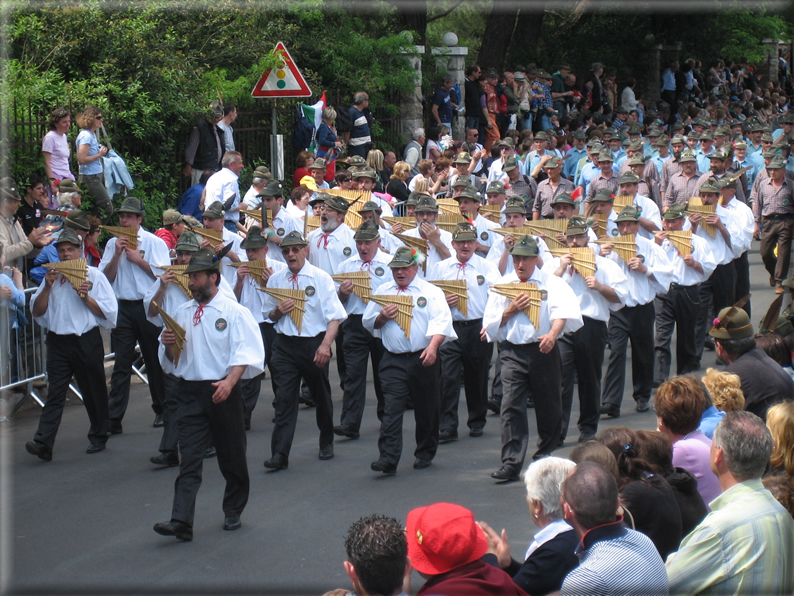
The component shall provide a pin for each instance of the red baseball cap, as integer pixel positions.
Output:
(443, 537)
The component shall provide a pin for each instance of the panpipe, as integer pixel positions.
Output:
(353, 217)
(696, 205)
(517, 232)
(449, 221)
(310, 223)
(583, 259)
(130, 233)
(256, 268)
(350, 195)
(492, 212)
(459, 288)
(528, 289)
(419, 244)
(361, 283)
(299, 296)
(214, 236)
(622, 201)
(598, 222)
(406, 222)
(531, 230)
(449, 206)
(682, 241)
(405, 309)
(257, 215)
(625, 246)
(548, 226)
(180, 277)
(178, 330)
(75, 271)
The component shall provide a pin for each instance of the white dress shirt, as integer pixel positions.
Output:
(685, 275)
(218, 336)
(321, 307)
(743, 220)
(175, 297)
(432, 254)
(282, 224)
(236, 240)
(722, 253)
(222, 186)
(592, 303)
(327, 251)
(560, 303)
(250, 296)
(430, 316)
(484, 234)
(131, 281)
(649, 210)
(554, 529)
(641, 288)
(66, 312)
(294, 211)
(379, 273)
(251, 198)
(478, 273)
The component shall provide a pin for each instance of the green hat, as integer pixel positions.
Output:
(721, 155)
(732, 323)
(674, 211)
(131, 205)
(427, 204)
(192, 222)
(319, 197)
(605, 156)
(214, 211)
(654, 132)
(77, 220)
(635, 129)
(204, 259)
(740, 145)
(553, 163)
(626, 142)
(628, 213)
(464, 231)
(628, 178)
(510, 164)
(783, 327)
(662, 142)
(188, 241)
(579, 135)
(254, 238)
(712, 185)
(272, 188)
(526, 246)
(413, 198)
(294, 238)
(541, 136)
(788, 118)
(262, 172)
(678, 140)
(777, 163)
(728, 182)
(466, 193)
(603, 195)
(366, 173)
(405, 257)
(771, 154)
(367, 231)
(462, 158)
(611, 131)
(172, 216)
(70, 236)
(515, 205)
(593, 142)
(461, 182)
(357, 161)
(319, 164)
(371, 206)
(687, 156)
(563, 199)
(637, 160)
(576, 226)
(68, 185)
(337, 204)
(767, 138)
(9, 190)
(635, 146)
(496, 187)
(706, 136)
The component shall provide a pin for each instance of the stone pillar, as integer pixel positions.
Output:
(768, 68)
(653, 74)
(411, 115)
(452, 60)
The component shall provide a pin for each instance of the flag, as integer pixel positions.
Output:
(577, 194)
(314, 114)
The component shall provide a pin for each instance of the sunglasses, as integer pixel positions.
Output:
(99, 117)
(293, 249)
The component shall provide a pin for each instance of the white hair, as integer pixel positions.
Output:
(417, 133)
(543, 479)
(65, 198)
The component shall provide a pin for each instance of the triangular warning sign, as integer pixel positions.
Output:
(282, 81)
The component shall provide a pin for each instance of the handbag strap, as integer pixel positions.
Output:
(107, 138)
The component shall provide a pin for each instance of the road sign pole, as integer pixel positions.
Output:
(276, 148)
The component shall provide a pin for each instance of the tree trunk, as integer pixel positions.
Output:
(526, 38)
(497, 36)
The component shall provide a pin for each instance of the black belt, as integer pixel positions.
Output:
(406, 354)
(131, 301)
(467, 323)
(777, 216)
(675, 286)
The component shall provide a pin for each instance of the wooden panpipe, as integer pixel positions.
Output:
(130, 233)
(492, 212)
(310, 223)
(180, 277)
(299, 296)
(257, 215)
(353, 217)
(530, 230)
(448, 206)
(583, 259)
(256, 268)
(405, 309)
(682, 241)
(350, 195)
(75, 271)
(361, 283)
(419, 244)
(622, 201)
(406, 222)
(528, 289)
(625, 246)
(598, 222)
(548, 226)
(696, 205)
(178, 330)
(459, 288)
(449, 221)
(214, 236)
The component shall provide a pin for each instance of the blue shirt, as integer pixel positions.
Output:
(15, 303)
(668, 80)
(190, 200)
(442, 100)
(709, 421)
(86, 137)
(572, 163)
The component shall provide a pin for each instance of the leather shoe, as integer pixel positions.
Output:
(277, 462)
(494, 405)
(158, 421)
(165, 459)
(247, 426)
(232, 522)
(115, 427)
(475, 432)
(505, 474)
(345, 431)
(446, 436)
(305, 398)
(43, 452)
(179, 529)
(421, 463)
(611, 411)
(385, 467)
(584, 437)
(210, 452)
(642, 406)
(327, 452)
(95, 448)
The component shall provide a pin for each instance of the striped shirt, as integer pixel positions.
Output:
(680, 188)
(600, 182)
(546, 194)
(740, 196)
(616, 560)
(522, 187)
(768, 200)
(669, 169)
(743, 546)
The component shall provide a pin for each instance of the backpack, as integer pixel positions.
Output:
(343, 121)
(303, 131)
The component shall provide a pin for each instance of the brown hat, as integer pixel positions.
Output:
(77, 220)
(68, 185)
(171, 216)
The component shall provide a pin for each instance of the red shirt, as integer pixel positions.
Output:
(168, 237)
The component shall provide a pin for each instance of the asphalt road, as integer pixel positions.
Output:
(82, 524)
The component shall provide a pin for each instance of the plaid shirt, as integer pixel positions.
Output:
(680, 188)
(768, 200)
(544, 100)
(546, 194)
(669, 169)
(522, 187)
(600, 182)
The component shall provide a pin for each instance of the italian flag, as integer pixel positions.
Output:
(314, 114)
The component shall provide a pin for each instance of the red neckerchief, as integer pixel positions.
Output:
(402, 289)
(198, 314)
(294, 280)
(461, 269)
(366, 265)
(323, 238)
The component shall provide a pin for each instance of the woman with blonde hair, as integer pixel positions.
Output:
(89, 158)
(725, 389)
(780, 422)
(398, 183)
(375, 161)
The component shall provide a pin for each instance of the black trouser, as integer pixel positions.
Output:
(679, 310)
(269, 334)
(717, 291)
(525, 368)
(359, 346)
(404, 378)
(293, 358)
(742, 267)
(132, 327)
(84, 357)
(496, 384)
(251, 387)
(470, 357)
(633, 323)
(201, 421)
(341, 367)
(169, 442)
(583, 352)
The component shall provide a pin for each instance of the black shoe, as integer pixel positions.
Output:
(95, 448)
(421, 463)
(345, 431)
(327, 453)
(530, 402)
(560, 443)
(43, 452)
(158, 421)
(505, 474)
(165, 459)
(305, 398)
(385, 467)
(642, 406)
(584, 437)
(656, 384)
(709, 343)
(232, 522)
(210, 452)
(475, 432)
(446, 436)
(610, 410)
(247, 426)
(494, 405)
(179, 529)
(277, 462)
(409, 405)
(115, 427)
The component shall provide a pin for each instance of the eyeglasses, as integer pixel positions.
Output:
(292, 249)
(100, 117)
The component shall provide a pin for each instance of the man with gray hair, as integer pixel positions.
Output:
(223, 187)
(358, 139)
(744, 545)
(413, 150)
(443, 105)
